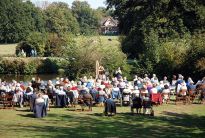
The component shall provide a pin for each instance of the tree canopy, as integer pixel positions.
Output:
(18, 19)
(159, 33)
(60, 20)
(86, 16)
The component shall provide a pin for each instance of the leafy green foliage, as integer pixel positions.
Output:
(159, 34)
(18, 19)
(31, 65)
(59, 19)
(30, 43)
(86, 17)
(83, 54)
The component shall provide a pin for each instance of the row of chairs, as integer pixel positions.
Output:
(190, 96)
(6, 100)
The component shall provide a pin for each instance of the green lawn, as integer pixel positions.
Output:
(7, 49)
(169, 121)
(104, 40)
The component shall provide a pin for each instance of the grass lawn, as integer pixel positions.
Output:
(10, 49)
(7, 49)
(186, 121)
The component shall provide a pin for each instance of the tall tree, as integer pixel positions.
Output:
(158, 33)
(59, 19)
(18, 18)
(103, 12)
(86, 16)
(143, 20)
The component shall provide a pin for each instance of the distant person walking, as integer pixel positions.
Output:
(32, 53)
(35, 53)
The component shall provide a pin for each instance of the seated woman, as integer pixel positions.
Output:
(18, 95)
(28, 92)
(46, 99)
(110, 107)
(143, 91)
(85, 99)
(61, 100)
(70, 96)
(153, 90)
(94, 94)
(60, 90)
(136, 104)
(32, 100)
(50, 88)
(115, 92)
(135, 92)
(39, 106)
(183, 89)
(101, 97)
(118, 73)
(166, 93)
(147, 105)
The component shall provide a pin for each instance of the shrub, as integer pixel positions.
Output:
(31, 65)
(61, 71)
(84, 53)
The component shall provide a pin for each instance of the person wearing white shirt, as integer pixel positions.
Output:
(165, 93)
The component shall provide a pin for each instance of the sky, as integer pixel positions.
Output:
(93, 3)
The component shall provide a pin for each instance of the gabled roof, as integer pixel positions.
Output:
(104, 20)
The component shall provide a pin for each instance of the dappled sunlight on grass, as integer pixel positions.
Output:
(169, 121)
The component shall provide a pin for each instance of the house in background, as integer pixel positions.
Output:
(109, 26)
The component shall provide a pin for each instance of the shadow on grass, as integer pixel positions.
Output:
(23, 110)
(27, 115)
(122, 125)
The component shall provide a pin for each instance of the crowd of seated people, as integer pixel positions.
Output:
(62, 92)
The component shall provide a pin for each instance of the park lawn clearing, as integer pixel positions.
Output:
(169, 121)
(10, 49)
(7, 49)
